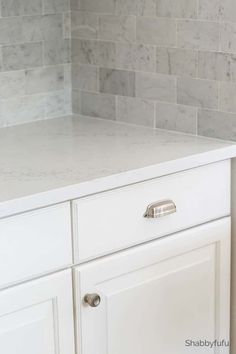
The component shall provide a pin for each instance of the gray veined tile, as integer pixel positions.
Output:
(85, 77)
(84, 24)
(228, 10)
(198, 93)
(127, 7)
(22, 56)
(136, 7)
(156, 86)
(136, 111)
(44, 80)
(56, 6)
(146, 7)
(227, 97)
(117, 82)
(67, 25)
(57, 51)
(98, 105)
(177, 8)
(84, 51)
(217, 124)
(20, 7)
(217, 66)
(11, 30)
(37, 28)
(117, 28)
(12, 84)
(175, 61)
(55, 104)
(106, 54)
(201, 35)
(101, 6)
(132, 56)
(156, 31)
(209, 10)
(228, 37)
(76, 101)
(176, 117)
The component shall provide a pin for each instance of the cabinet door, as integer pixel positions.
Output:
(157, 296)
(37, 317)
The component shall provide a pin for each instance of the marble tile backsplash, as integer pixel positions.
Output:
(160, 63)
(35, 60)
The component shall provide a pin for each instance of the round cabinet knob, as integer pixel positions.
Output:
(92, 300)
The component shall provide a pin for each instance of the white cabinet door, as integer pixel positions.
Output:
(157, 296)
(37, 317)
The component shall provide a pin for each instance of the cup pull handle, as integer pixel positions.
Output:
(159, 209)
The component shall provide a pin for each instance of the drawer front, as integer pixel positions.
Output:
(110, 221)
(35, 243)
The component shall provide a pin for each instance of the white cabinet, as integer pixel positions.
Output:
(156, 296)
(37, 317)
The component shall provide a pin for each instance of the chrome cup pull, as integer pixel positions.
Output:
(92, 300)
(159, 209)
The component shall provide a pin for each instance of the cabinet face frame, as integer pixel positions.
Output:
(92, 278)
(40, 311)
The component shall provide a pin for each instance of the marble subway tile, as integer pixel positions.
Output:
(22, 56)
(101, 6)
(136, 111)
(57, 52)
(85, 77)
(227, 97)
(106, 54)
(228, 37)
(84, 25)
(45, 79)
(198, 93)
(177, 8)
(209, 10)
(117, 28)
(133, 56)
(67, 25)
(12, 84)
(156, 31)
(136, 7)
(24, 109)
(174, 61)
(156, 87)
(217, 66)
(55, 6)
(55, 104)
(147, 7)
(117, 82)
(11, 30)
(98, 105)
(40, 28)
(127, 7)
(176, 117)
(228, 10)
(76, 101)
(200, 35)
(84, 51)
(20, 7)
(216, 124)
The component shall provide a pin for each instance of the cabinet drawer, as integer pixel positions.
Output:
(110, 221)
(35, 243)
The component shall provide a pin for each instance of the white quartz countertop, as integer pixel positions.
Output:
(57, 160)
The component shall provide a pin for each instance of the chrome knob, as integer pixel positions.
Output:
(159, 209)
(92, 300)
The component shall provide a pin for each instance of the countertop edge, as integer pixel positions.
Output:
(63, 194)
